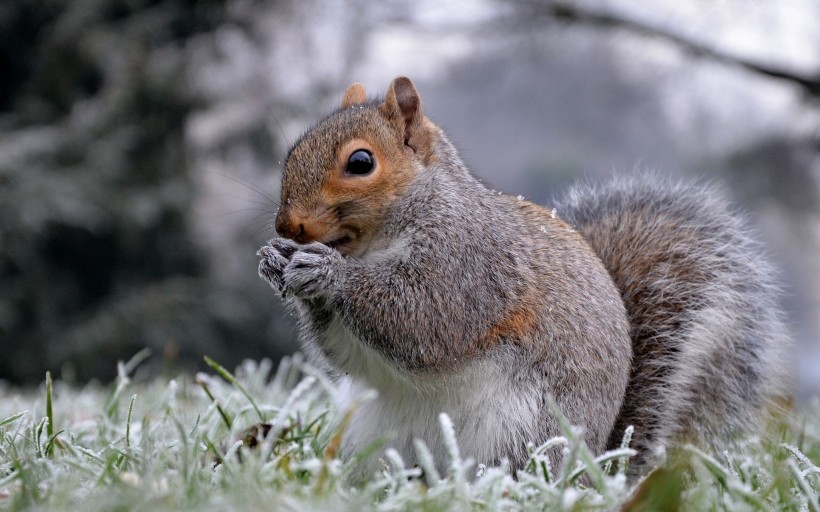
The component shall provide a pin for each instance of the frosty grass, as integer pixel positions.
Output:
(184, 445)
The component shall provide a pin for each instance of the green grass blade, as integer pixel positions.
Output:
(228, 376)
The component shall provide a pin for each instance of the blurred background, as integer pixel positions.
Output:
(141, 143)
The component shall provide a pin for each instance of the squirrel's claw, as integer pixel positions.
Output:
(274, 258)
(283, 246)
(310, 271)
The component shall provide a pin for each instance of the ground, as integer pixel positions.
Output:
(186, 444)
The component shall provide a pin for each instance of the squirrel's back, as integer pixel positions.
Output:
(709, 343)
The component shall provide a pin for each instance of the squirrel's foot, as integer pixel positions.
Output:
(274, 258)
(310, 271)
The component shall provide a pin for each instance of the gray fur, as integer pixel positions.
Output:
(710, 345)
(483, 306)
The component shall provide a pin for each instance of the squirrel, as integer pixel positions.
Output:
(639, 302)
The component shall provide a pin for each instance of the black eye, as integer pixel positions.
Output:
(361, 162)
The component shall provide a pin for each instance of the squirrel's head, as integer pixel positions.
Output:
(342, 175)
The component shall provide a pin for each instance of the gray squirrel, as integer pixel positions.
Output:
(639, 302)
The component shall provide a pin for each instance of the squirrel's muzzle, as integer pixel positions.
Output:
(287, 226)
(294, 227)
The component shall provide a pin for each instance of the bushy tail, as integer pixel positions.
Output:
(709, 342)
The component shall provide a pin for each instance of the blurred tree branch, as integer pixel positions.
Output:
(573, 13)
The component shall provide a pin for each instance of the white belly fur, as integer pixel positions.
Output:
(490, 414)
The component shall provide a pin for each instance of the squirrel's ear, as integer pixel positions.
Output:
(354, 95)
(403, 101)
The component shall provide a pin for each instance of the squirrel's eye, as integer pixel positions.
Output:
(360, 162)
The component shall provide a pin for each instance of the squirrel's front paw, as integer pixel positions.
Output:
(311, 271)
(274, 258)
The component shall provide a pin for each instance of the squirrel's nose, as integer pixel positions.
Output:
(300, 235)
(287, 227)
(293, 229)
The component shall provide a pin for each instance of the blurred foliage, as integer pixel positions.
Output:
(97, 255)
(116, 116)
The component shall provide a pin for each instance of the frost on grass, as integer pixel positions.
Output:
(258, 439)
